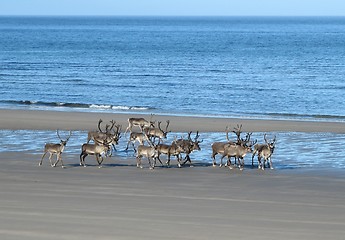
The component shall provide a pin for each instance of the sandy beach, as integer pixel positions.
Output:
(120, 201)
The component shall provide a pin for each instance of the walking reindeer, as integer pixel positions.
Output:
(55, 148)
(264, 151)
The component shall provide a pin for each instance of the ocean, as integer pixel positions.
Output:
(250, 67)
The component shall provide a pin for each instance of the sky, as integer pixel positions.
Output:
(174, 7)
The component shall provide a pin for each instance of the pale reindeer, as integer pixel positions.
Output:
(111, 134)
(139, 122)
(55, 148)
(136, 137)
(99, 149)
(150, 152)
(265, 151)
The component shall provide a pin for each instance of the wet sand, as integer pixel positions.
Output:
(120, 201)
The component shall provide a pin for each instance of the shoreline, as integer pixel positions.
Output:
(52, 120)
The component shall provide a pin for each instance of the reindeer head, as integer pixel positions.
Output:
(63, 142)
(270, 143)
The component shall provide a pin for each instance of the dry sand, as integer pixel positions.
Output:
(120, 201)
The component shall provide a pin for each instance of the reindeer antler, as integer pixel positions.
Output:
(238, 131)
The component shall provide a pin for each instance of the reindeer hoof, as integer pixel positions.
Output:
(63, 166)
(40, 164)
(99, 166)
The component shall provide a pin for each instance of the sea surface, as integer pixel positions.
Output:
(252, 67)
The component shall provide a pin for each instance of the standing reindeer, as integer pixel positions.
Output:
(219, 147)
(236, 151)
(159, 133)
(136, 137)
(55, 148)
(172, 149)
(188, 146)
(111, 134)
(150, 152)
(264, 151)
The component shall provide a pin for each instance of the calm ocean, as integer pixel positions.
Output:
(259, 67)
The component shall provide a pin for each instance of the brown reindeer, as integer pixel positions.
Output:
(188, 146)
(139, 122)
(219, 147)
(265, 151)
(55, 148)
(99, 149)
(172, 149)
(111, 134)
(159, 133)
(150, 152)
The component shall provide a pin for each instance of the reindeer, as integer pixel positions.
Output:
(219, 147)
(108, 136)
(150, 152)
(236, 151)
(136, 137)
(265, 152)
(188, 146)
(55, 148)
(171, 150)
(99, 149)
(139, 122)
(158, 132)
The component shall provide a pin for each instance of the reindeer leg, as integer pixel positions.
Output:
(178, 160)
(271, 165)
(253, 155)
(40, 163)
(50, 159)
(187, 159)
(214, 163)
(62, 163)
(60, 158)
(168, 161)
(159, 161)
(229, 162)
(221, 161)
(152, 166)
(241, 163)
(139, 162)
(81, 162)
(97, 159)
(57, 159)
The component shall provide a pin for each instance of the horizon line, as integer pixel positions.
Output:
(154, 15)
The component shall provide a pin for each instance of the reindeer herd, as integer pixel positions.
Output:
(147, 140)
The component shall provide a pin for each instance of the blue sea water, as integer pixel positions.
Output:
(258, 67)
